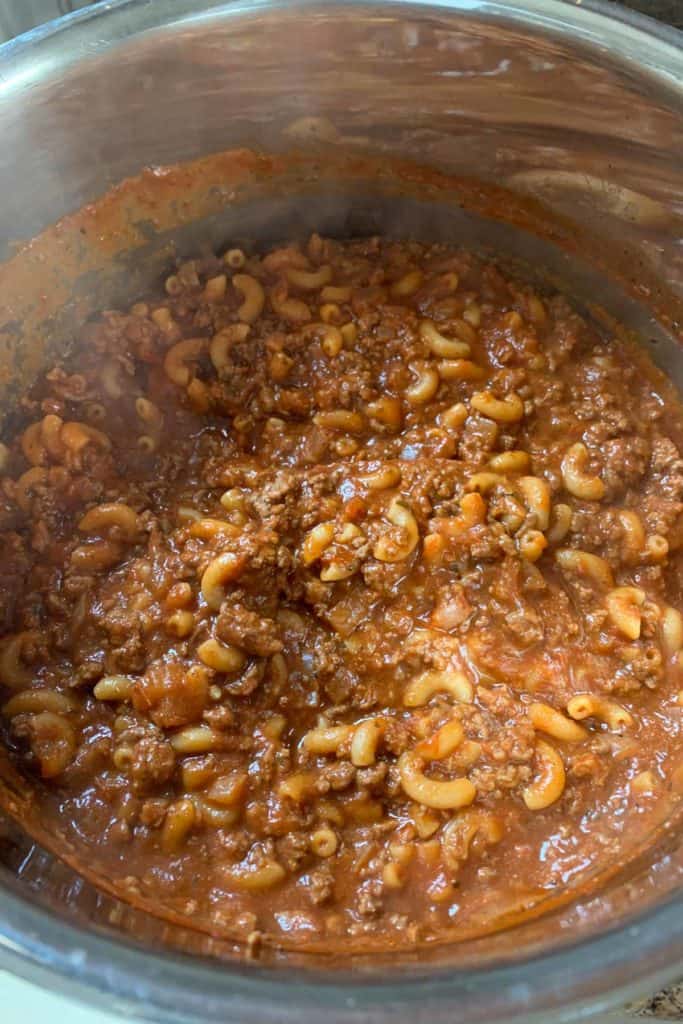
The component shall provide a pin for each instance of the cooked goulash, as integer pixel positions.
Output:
(341, 595)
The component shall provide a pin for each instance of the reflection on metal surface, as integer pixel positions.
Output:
(476, 89)
(565, 188)
(18, 16)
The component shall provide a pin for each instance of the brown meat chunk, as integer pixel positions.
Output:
(335, 776)
(369, 898)
(318, 885)
(153, 762)
(293, 850)
(239, 625)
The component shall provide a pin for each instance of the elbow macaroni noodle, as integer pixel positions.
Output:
(576, 480)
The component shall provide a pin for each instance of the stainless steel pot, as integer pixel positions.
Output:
(561, 104)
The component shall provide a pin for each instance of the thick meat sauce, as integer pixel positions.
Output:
(341, 595)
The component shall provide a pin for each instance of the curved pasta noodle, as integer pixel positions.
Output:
(336, 293)
(509, 409)
(298, 787)
(32, 444)
(441, 346)
(381, 479)
(316, 541)
(164, 321)
(190, 350)
(151, 415)
(221, 657)
(435, 793)
(460, 369)
(115, 688)
(14, 673)
(216, 817)
(407, 285)
(32, 702)
(456, 837)
(536, 494)
(579, 483)
(96, 557)
(387, 411)
(386, 549)
(294, 310)
(27, 482)
(531, 545)
(633, 534)
(286, 256)
(222, 570)
(515, 461)
(366, 737)
(337, 571)
(309, 280)
(253, 295)
(53, 742)
(222, 343)
(586, 565)
(51, 430)
(656, 547)
(110, 516)
(340, 419)
(549, 784)
(472, 513)
(199, 395)
(349, 333)
(465, 327)
(623, 607)
(561, 523)
(442, 743)
(196, 739)
(77, 436)
(180, 623)
(671, 627)
(215, 288)
(208, 529)
(331, 338)
(454, 417)
(251, 878)
(196, 773)
(483, 482)
(326, 739)
(179, 821)
(422, 688)
(330, 313)
(186, 514)
(425, 386)
(545, 718)
(588, 705)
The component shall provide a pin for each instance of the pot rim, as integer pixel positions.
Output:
(623, 33)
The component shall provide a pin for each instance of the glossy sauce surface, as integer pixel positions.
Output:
(341, 595)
